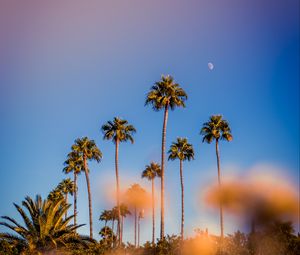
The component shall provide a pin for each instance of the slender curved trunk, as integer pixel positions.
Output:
(153, 214)
(219, 181)
(139, 228)
(118, 189)
(163, 146)
(112, 237)
(75, 198)
(135, 226)
(182, 201)
(66, 199)
(122, 226)
(89, 195)
(105, 223)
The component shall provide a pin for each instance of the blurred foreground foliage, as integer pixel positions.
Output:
(276, 238)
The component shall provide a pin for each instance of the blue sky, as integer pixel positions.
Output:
(67, 68)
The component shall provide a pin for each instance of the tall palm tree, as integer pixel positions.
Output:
(151, 171)
(118, 131)
(44, 229)
(66, 186)
(215, 129)
(74, 163)
(181, 150)
(136, 198)
(165, 94)
(88, 150)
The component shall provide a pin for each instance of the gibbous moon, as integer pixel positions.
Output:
(210, 66)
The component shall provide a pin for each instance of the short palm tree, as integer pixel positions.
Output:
(151, 171)
(118, 131)
(105, 216)
(164, 95)
(136, 198)
(124, 211)
(215, 129)
(88, 150)
(181, 150)
(66, 186)
(114, 217)
(44, 229)
(74, 163)
(140, 216)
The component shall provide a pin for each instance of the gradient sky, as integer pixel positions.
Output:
(66, 67)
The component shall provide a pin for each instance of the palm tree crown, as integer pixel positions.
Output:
(105, 216)
(181, 150)
(74, 163)
(55, 195)
(118, 130)
(216, 128)
(66, 186)
(166, 93)
(87, 148)
(151, 171)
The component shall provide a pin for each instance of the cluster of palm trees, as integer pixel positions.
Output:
(164, 95)
(112, 215)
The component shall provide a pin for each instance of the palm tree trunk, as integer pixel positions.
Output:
(75, 198)
(118, 188)
(66, 199)
(153, 214)
(135, 226)
(219, 181)
(105, 222)
(182, 201)
(112, 237)
(122, 226)
(162, 213)
(139, 228)
(89, 196)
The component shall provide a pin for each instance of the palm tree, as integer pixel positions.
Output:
(140, 216)
(136, 198)
(151, 171)
(66, 186)
(181, 150)
(74, 163)
(44, 229)
(105, 216)
(55, 195)
(88, 150)
(165, 94)
(215, 129)
(124, 212)
(118, 131)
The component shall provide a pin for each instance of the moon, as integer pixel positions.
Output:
(210, 66)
